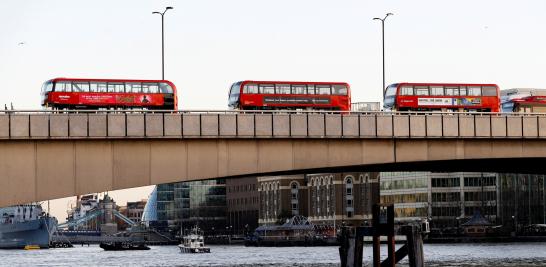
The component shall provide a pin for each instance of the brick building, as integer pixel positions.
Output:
(328, 198)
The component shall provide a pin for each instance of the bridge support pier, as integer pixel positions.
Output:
(352, 241)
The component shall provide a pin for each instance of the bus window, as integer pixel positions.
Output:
(462, 90)
(474, 91)
(234, 93)
(282, 89)
(339, 90)
(63, 87)
(421, 90)
(436, 90)
(406, 90)
(267, 89)
(249, 89)
(165, 88)
(80, 87)
(323, 89)
(133, 87)
(452, 90)
(311, 90)
(47, 87)
(390, 92)
(150, 88)
(98, 87)
(116, 87)
(489, 91)
(299, 89)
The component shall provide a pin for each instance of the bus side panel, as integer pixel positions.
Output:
(449, 102)
(105, 99)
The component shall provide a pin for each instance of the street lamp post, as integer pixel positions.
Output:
(383, 41)
(163, 40)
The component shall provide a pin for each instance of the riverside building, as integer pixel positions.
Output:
(325, 198)
(450, 199)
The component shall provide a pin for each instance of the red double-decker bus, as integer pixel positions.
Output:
(442, 97)
(69, 93)
(529, 104)
(268, 95)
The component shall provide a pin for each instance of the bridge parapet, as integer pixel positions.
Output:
(266, 124)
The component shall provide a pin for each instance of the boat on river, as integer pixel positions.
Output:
(25, 225)
(119, 246)
(193, 242)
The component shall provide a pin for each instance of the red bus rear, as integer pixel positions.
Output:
(270, 95)
(530, 104)
(68, 93)
(442, 97)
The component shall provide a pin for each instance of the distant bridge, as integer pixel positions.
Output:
(47, 155)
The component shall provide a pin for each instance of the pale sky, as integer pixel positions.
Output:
(210, 44)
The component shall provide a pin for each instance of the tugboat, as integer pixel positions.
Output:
(25, 227)
(193, 242)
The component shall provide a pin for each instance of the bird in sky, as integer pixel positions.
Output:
(21, 43)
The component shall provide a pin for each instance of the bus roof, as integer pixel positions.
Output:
(63, 79)
(293, 82)
(448, 84)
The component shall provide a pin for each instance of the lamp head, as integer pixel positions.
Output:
(169, 7)
(376, 19)
(390, 14)
(156, 12)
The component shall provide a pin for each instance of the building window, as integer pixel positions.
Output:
(294, 188)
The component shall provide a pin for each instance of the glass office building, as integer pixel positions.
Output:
(185, 204)
(201, 203)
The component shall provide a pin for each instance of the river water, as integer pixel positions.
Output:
(513, 254)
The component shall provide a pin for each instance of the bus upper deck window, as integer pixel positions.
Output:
(436, 90)
(102, 88)
(339, 90)
(248, 89)
(421, 90)
(311, 90)
(489, 91)
(323, 89)
(406, 90)
(299, 89)
(282, 89)
(165, 88)
(133, 87)
(267, 89)
(452, 90)
(474, 91)
(80, 87)
(150, 88)
(116, 88)
(97, 87)
(63, 87)
(462, 90)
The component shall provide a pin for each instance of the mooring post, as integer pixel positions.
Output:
(376, 251)
(415, 247)
(359, 247)
(391, 246)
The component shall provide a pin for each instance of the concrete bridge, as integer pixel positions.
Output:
(47, 155)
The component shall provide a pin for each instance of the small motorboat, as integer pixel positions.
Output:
(193, 242)
(32, 247)
(117, 246)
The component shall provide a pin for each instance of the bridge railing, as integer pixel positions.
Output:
(101, 124)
